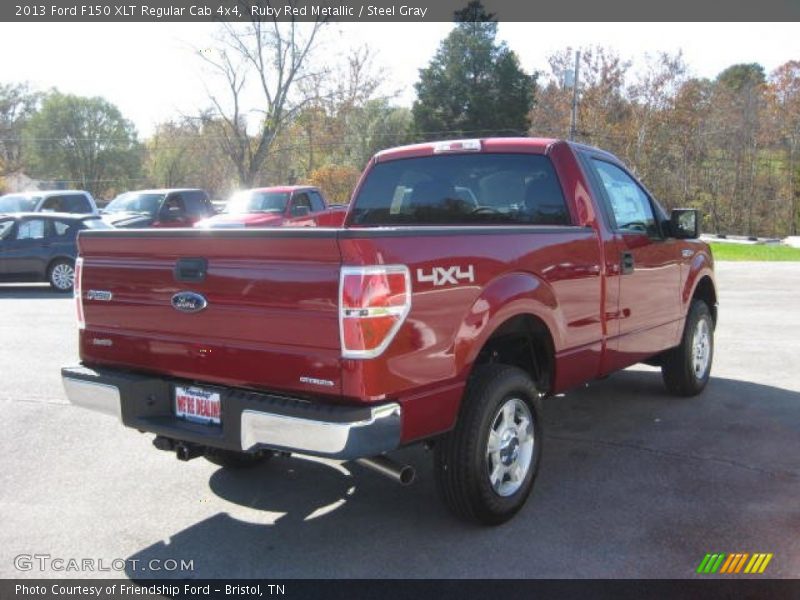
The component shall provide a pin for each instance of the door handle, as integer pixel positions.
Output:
(626, 263)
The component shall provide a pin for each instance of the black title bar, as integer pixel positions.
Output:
(391, 11)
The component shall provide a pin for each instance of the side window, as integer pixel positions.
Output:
(174, 206)
(629, 204)
(61, 228)
(196, 204)
(317, 204)
(299, 202)
(5, 228)
(32, 229)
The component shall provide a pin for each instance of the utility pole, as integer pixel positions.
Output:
(573, 125)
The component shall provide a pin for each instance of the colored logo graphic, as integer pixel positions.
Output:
(734, 563)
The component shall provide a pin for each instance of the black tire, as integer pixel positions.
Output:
(681, 367)
(462, 460)
(236, 460)
(61, 275)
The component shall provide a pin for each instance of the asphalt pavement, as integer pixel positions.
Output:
(633, 482)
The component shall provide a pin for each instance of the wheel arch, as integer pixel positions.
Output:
(516, 321)
(54, 259)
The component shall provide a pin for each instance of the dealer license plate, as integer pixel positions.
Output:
(197, 404)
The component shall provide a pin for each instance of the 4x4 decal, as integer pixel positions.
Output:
(447, 275)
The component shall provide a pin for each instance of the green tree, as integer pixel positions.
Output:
(17, 104)
(474, 85)
(85, 141)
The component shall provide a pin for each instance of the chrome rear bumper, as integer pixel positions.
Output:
(251, 420)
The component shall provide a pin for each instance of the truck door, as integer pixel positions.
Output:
(648, 317)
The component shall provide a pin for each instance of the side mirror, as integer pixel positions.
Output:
(684, 223)
(300, 211)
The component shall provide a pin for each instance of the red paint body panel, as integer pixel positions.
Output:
(273, 294)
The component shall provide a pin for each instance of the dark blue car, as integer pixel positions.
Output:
(42, 246)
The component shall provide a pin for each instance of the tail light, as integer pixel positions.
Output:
(76, 286)
(373, 303)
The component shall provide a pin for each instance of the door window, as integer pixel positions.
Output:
(196, 205)
(317, 204)
(299, 202)
(629, 204)
(174, 207)
(5, 228)
(32, 229)
(61, 228)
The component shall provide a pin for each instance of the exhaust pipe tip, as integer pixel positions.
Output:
(383, 465)
(185, 452)
(407, 475)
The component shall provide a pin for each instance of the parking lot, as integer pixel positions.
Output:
(634, 483)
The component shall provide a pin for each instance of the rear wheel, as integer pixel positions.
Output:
(687, 368)
(61, 275)
(485, 467)
(230, 459)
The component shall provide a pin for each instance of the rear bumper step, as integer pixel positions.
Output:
(250, 420)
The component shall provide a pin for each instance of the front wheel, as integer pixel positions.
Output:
(687, 368)
(485, 467)
(61, 275)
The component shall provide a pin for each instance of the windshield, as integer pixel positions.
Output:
(135, 202)
(18, 203)
(250, 201)
(462, 189)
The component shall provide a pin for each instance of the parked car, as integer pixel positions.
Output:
(298, 206)
(158, 208)
(471, 279)
(62, 201)
(42, 247)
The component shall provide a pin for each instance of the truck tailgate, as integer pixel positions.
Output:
(270, 321)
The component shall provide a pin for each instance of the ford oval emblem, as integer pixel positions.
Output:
(189, 302)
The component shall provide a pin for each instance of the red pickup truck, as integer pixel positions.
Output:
(470, 279)
(287, 206)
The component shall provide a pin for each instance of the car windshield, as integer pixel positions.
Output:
(18, 203)
(250, 201)
(135, 202)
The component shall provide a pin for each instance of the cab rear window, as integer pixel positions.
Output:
(462, 189)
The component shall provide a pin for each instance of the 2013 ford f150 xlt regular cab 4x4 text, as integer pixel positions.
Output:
(470, 279)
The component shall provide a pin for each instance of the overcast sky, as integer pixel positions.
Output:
(151, 72)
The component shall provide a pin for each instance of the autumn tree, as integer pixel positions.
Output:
(335, 181)
(784, 105)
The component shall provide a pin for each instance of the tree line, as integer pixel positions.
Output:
(729, 145)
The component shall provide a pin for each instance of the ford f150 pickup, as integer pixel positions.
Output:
(469, 280)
